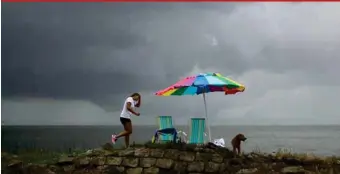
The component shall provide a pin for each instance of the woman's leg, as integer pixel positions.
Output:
(128, 128)
(126, 123)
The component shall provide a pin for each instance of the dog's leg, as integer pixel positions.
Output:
(234, 151)
(238, 150)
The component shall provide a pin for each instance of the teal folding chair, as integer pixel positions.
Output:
(165, 122)
(197, 129)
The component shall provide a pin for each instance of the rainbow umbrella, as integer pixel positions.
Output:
(201, 84)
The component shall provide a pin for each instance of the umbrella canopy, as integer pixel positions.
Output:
(202, 83)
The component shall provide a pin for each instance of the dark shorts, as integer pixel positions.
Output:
(124, 120)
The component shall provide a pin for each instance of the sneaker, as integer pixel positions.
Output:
(113, 138)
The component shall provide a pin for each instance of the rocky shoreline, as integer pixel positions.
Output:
(166, 159)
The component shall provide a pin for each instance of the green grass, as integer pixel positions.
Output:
(40, 156)
(283, 153)
(287, 153)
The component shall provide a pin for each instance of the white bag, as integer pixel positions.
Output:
(219, 142)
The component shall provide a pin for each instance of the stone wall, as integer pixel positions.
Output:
(150, 161)
(166, 160)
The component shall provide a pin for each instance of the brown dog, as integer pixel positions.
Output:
(236, 143)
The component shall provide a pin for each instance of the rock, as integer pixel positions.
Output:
(235, 162)
(102, 168)
(198, 149)
(126, 152)
(158, 153)
(65, 160)
(292, 161)
(34, 168)
(196, 167)
(53, 168)
(98, 161)
(217, 158)
(172, 154)
(134, 170)
(96, 152)
(164, 163)
(208, 150)
(293, 170)
(108, 146)
(130, 162)
(114, 169)
(151, 170)
(203, 156)
(247, 171)
(68, 168)
(147, 162)
(180, 166)
(88, 152)
(142, 152)
(82, 161)
(223, 167)
(114, 160)
(212, 167)
(110, 153)
(14, 163)
(187, 156)
(120, 169)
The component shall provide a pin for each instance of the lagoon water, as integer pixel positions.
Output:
(320, 140)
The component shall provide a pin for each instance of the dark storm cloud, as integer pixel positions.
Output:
(87, 51)
(71, 61)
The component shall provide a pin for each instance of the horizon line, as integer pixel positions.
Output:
(176, 125)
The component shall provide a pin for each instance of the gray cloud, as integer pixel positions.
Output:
(84, 59)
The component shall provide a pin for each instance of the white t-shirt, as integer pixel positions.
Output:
(126, 113)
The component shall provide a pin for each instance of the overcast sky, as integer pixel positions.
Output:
(75, 63)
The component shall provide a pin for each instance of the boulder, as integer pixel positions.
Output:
(65, 160)
(151, 170)
(130, 162)
(114, 169)
(180, 166)
(164, 163)
(114, 160)
(293, 170)
(126, 152)
(235, 162)
(217, 158)
(172, 154)
(247, 171)
(187, 156)
(147, 162)
(82, 161)
(142, 152)
(38, 169)
(203, 156)
(195, 167)
(15, 163)
(98, 161)
(137, 170)
(157, 153)
(212, 167)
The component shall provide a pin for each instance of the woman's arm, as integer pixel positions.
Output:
(129, 108)
(139, 102)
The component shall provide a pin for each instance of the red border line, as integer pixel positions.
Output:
(170, 1)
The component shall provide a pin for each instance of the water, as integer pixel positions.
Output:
(320, 140)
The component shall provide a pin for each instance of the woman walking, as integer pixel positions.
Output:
(125, 117)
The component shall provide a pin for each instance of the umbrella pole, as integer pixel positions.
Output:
(206, 116)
